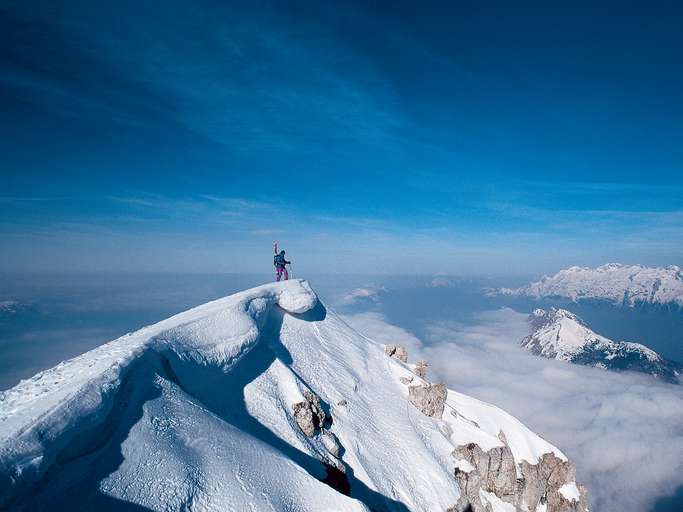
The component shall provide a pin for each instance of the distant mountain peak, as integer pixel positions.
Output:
(562, 335)
(627, 285)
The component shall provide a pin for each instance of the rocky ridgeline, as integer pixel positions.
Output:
(480, 474)
(526, 486)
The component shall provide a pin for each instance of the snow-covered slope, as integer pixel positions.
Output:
(627, 285)
(559, 334)
(264, 400)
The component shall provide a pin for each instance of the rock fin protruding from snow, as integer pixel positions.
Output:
(429, 399)
(397, 351)
(525, 486)
(309, 415)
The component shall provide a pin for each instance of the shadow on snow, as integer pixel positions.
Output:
(74, 481)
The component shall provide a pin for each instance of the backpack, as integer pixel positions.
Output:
(279, 261)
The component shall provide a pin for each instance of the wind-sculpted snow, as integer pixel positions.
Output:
(263, 400)
(620, 284)
(42, 419)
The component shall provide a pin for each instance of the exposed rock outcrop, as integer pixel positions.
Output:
(526, 487)
(406, 380)
(494, 471)
(396, 351)
(546, 482)
(421, 368)
(430, 400)
(309, 415)
(312, 419)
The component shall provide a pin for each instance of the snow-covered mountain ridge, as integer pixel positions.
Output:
(560, 334)
(264, 400)
(627, 285)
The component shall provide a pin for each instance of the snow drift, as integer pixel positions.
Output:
(264, 400)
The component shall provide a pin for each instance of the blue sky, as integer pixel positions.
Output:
(439, 137)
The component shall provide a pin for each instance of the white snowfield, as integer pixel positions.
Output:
(195, 413)
(622, 284)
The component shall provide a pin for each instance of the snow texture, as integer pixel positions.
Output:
(495, 503)
(570, 492)
(627, 285)
(197, 412)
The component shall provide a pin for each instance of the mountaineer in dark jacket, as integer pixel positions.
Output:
(280, 264)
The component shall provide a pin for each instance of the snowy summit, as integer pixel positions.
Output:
(559, 334)
(627, 285)
(265, 400)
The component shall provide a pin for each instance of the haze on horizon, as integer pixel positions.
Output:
(439, 138)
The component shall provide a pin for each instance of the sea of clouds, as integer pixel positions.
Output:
(624, 432)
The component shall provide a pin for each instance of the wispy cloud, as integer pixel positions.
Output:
(355, 222)
(238, 202)
(207, 207)
(598, 187)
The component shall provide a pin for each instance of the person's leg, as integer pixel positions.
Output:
(278, 274)
(284, 270)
